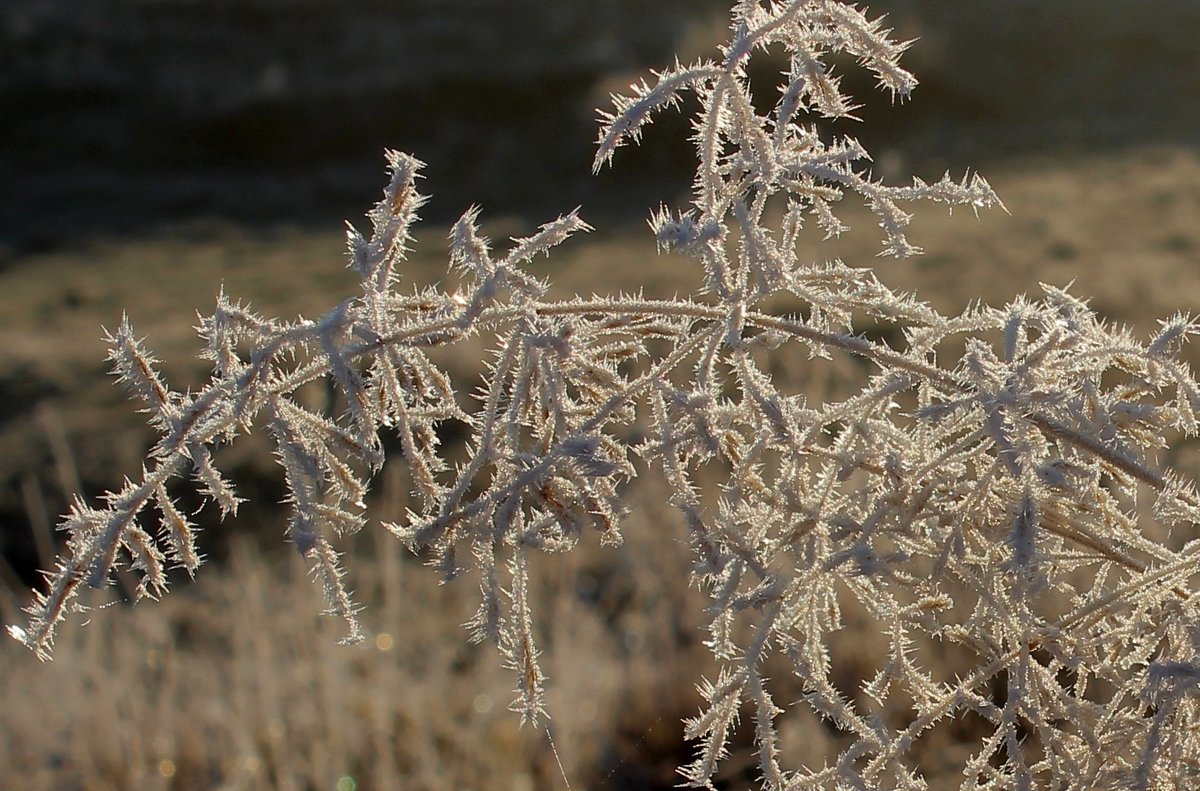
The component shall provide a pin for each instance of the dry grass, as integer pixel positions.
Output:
(266, 699)
(177, 695)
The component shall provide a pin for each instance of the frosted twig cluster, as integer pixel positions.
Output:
(998, 501)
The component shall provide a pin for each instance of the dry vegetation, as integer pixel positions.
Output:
(177, 695)
(1121, 226)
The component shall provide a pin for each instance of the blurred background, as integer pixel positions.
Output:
(123, 115)
(152, 150)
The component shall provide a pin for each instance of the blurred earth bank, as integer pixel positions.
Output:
(123, 115)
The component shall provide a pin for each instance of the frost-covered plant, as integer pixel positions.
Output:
(1006, 502)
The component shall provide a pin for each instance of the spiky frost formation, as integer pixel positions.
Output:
(983, 502)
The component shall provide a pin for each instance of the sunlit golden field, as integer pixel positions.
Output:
(233, 681)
